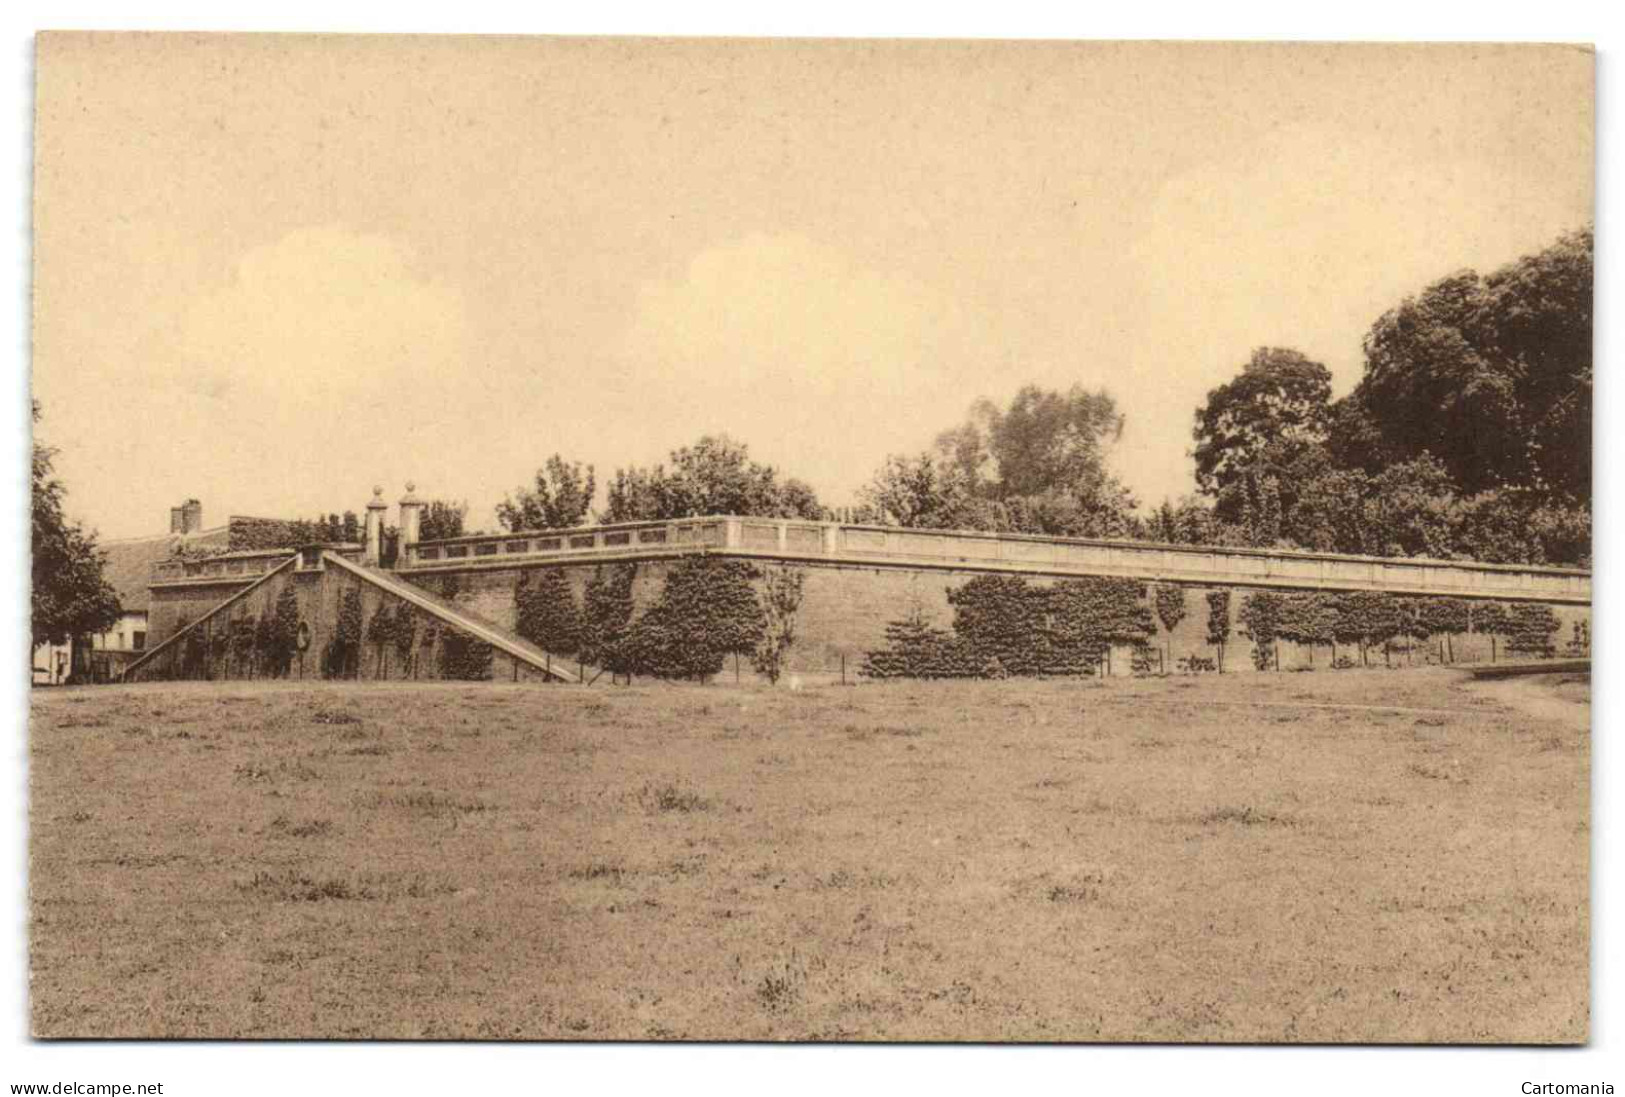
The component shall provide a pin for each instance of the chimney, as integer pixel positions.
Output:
(177, 520)
(192, 516)
(374, 545)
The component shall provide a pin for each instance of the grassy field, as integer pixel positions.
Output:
(1249, 858)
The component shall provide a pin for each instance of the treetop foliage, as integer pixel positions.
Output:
(1037, 466)
(713, 476)
(1278, 406)
(559, 498)
(1468, 437)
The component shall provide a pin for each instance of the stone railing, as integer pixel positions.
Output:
(240, 567)
(859, 546)
(630, 538)
(231, 567)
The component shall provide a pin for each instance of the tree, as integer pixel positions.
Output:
(924, 492)
(442, 519)
(1410, 510)
(1278, 406)
(1170, 602)
(559, 498)
(1048, 440)
(1190, 521)
(713, 476)
(381, 634)
(1367, 618)
(1531, 628)
(781, 602)
(707, 610)
(916, 649)
(70, 595)
(1446, 617)
(1492, 375)
(282, 632)
(341, 658)
(1261, 614)
(1218, 621)
(606, 617)
(548, 615)
(1309, 619)
(1491, 618)
(1037, 466)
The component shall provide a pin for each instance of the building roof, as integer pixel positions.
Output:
(129, 562)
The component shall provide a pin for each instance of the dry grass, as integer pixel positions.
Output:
(946, 861)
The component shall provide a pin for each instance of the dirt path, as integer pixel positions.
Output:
(1540, 696)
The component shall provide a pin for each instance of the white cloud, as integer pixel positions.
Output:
(821, 363)
(321, 313)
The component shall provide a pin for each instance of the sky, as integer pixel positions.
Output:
(271, 272)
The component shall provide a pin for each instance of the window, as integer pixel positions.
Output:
(138, 641)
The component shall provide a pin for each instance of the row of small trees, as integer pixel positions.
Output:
(708, 609)
(400, 637)
(1005, 625)
(245, 644)
(1371, 621)
(248, 645)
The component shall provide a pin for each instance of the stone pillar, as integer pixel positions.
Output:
(376, 507)
(411, 524)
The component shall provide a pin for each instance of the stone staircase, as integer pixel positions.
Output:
(516, 647)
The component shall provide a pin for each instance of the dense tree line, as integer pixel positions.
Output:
(1006, 626)
(1469, 435)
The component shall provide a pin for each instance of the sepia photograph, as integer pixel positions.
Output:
(654, 539)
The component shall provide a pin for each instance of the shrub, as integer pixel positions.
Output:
(405, 635)
(464, 658)
(914, 649)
